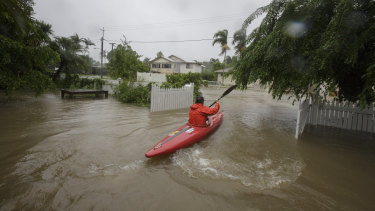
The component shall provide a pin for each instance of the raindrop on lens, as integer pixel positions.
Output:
(295, 29)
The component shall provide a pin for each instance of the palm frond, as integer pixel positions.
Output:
(239, 40)
(221, 37)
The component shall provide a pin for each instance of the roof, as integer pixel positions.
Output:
(174, 59)
(177, 59)
(162, 57)
(180, 60)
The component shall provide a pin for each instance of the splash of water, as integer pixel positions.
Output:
(262, 173)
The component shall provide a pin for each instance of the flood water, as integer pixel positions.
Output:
(88, 154)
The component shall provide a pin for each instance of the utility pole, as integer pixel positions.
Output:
(101, 55)
(112, 43)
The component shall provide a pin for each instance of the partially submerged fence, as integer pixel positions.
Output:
(334, 114)
(172, 98)
(302, 117)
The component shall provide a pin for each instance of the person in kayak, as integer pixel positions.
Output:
(199, 113)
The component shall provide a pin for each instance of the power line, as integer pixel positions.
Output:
(166, 41)
(171, 41)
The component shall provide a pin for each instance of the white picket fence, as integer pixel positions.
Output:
(334, 114)
(172, 98)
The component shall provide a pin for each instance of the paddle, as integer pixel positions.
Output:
(225, 93)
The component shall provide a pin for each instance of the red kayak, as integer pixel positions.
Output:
(185, 136)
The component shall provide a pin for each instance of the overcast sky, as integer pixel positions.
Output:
(149, 21)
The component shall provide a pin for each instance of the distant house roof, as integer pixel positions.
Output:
(170, 60)
(174, 59)
(224, 70)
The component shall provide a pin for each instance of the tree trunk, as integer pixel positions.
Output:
(222, 77)
(56, 75)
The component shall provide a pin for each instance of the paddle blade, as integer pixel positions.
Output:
(225, 93)
(229, 90)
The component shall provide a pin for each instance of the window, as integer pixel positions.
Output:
(167, 66)
(155, 65)
(189, 66)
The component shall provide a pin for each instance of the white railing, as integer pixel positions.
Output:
(334, 114)
(172, 98)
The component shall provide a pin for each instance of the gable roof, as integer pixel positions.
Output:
(176, 59)
(157, 58)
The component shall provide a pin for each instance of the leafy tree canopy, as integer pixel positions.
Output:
(146, 61)
(123, 62)
(180, 79)
(25, 55)
(304, 47)
(159, 54)
(71, 51)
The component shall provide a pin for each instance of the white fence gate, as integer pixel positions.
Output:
(302, 117)
(172, 98)
(334, 114)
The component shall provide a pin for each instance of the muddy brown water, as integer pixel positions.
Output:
(88, 154)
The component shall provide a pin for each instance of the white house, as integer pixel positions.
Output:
(174, 64)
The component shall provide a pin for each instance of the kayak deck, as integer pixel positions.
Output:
(185, 136)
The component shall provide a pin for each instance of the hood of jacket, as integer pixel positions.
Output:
(196, 106)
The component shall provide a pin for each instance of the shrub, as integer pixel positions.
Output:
(128, 92)
(74, 82)
(179, 80)
(209, 76)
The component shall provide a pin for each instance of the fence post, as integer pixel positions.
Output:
(337, 114)
(298, 120)
(314, 112)
(345, 115)
(302, 117)
(365, 119)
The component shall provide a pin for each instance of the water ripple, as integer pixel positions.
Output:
(114, 169)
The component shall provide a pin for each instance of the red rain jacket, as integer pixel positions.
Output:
(198, 114)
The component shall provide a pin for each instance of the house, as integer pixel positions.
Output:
(223, 78)
(174, 64)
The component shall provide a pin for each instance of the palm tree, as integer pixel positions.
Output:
(70, 50)
(239, 40)
(221, 37)
(87, 43)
